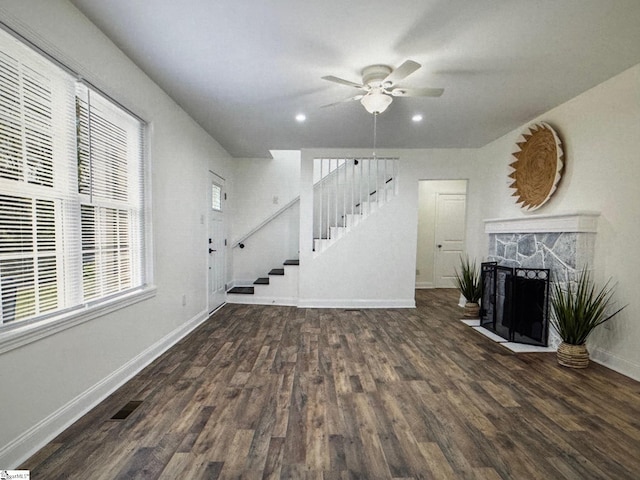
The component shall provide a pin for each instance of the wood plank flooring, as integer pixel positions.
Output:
(264, 392)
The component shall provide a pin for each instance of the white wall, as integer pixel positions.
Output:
(257, 182)
(600, 130)
(374, 265)
(47, 383)
(428, 191)
(263, 186)
(366, 267)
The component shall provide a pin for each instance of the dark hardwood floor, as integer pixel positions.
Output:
(263, 392)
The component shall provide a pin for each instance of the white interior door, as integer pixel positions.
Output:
(216, 242)
(449, 236)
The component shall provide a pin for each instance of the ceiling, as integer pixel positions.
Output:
(244, 68)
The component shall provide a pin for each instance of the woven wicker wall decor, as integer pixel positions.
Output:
(538, 166)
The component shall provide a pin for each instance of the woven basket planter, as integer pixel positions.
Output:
(471, 310)
(573, 356)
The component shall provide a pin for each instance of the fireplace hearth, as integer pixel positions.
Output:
(515, 303)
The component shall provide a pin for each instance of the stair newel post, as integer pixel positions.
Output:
(385, 181)
(395, 176)
(328, 206)
(366, 193)
(360, 183)
(353, 186)
(377, 180)
(344, 191)
(318, 204)
(335, 196)
(372, 179)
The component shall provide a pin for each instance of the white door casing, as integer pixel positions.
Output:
(216, 243)
(449, 237)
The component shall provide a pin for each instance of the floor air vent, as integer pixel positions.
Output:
(127, 410)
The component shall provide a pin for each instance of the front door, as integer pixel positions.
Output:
(216, 242)
(449, 236)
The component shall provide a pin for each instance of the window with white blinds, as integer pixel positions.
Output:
(71, 190)
(109, 144)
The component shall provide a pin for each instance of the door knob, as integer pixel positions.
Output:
(211, 250)
(439, 246)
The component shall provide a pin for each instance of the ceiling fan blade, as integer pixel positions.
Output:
(350, 99)
(342, 81)
(403, 71)
(417, 92)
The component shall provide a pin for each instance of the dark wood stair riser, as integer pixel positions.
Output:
(262, 281)
(277, 271)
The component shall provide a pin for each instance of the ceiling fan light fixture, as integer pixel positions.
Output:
(376, 102)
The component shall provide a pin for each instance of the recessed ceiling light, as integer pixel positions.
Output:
(301, 117)
(417, 118)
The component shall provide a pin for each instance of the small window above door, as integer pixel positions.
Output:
(216, 197)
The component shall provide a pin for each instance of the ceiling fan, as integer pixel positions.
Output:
(379, 86)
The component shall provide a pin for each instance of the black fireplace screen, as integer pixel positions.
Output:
(515, 303)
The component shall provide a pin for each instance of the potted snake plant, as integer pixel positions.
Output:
(575, 312)
(469, 282)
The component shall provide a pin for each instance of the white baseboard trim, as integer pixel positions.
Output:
(620, 365)
(243, 299)
(355, 303)
(421, 285)
(22, 447)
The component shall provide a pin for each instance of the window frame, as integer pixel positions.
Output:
(18, 333)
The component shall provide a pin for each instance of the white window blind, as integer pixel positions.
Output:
(71, 190)
(216, 197)
(28, 269)
(110, 187)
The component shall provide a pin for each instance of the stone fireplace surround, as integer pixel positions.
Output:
(563, 243)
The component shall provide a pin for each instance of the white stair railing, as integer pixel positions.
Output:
(347, 191)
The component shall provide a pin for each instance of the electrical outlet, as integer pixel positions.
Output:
(275, 200)
(184, 300)
(417, 272)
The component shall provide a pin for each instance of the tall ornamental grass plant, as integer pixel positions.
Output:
(578, 310)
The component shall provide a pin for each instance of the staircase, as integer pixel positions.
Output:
(345, 192)
(352, 191)
(280, 287)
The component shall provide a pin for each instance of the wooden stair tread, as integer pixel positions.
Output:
(242, 290)
(249, 290)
